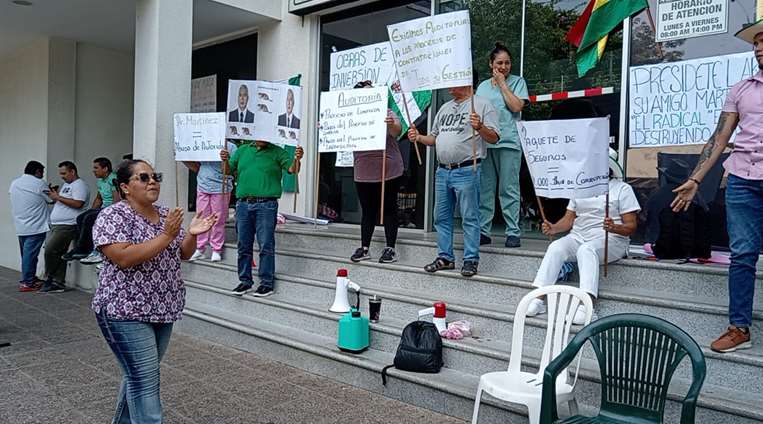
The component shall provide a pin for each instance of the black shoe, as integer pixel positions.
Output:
(512, 241)
(469, 269)
(361, 254)
(485, 239)
(388, 256)
(51, 286)
(263, 291)
(242, 289)
(73, 255)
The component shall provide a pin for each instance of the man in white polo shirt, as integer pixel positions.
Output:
(29, 206)
(71, 200)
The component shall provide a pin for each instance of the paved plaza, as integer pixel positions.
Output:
(59, 369)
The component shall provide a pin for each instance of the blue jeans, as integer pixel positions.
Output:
(257, 219)
(462, 184)
(744, 222)
(30, 250)
(138, 347)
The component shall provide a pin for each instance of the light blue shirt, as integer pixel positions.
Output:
(506, 118)
(210, 176)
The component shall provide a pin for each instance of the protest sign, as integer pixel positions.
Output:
(567, 158)
(678, 103)
(433, 52)
(680, 19)
(199, 136)
(353, 120)
(204, 94)
(263, 110)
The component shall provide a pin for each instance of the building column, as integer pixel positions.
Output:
(163, 43)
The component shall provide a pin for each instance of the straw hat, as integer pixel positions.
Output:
(749, 31)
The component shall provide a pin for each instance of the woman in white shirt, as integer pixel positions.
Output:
(586, 222)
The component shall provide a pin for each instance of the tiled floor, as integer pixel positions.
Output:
(59, 369)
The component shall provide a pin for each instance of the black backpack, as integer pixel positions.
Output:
(420, 350)
(683, 235)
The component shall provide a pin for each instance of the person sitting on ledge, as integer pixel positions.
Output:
(585, 220)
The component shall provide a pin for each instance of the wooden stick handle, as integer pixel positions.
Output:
(474, 139)
(543, 215)
(410, 124)
(296, 192)
(606, 235)
(383, 178)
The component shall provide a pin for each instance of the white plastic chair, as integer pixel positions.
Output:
(524, 388)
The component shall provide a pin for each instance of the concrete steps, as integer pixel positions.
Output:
(316, 334)
(295, 326)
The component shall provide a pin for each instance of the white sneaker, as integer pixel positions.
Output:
(198, 254)
(579, 318)
(216, 257)
(93, 258)
(537, 307)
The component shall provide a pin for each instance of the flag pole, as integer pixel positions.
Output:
(296, 188)
(222, 168)
(410, 124)
(317, 189)
(177, 185)
(474, 139)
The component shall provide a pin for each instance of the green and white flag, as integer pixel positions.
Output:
(418, 102)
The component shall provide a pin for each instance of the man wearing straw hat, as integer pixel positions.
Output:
(744, 191)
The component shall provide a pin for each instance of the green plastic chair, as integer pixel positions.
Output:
(637, 356)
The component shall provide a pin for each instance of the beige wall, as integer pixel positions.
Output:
(104, 106)
(23, 129)
(60, 100)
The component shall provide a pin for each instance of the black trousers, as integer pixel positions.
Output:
(85, 223)
(369, 195)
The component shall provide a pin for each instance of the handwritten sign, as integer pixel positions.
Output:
(678, 103)
(679, 19)
(353, 120)
(264, 110)
(204, 94)
(433, 52)
(199, 136)
(567, 159)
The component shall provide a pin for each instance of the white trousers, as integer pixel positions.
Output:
(588, 255)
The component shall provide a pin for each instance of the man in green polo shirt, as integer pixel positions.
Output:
(258, 168)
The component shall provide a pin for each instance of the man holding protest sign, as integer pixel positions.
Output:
(456, 179)
(744, 192)
(258, 168)
(587, 221)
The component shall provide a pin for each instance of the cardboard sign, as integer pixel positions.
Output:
(433, 52)
(204, 94)
(680, 19)
(678, 103)
(353, 120)
(263, 110)
(569, 158)
(199, 137)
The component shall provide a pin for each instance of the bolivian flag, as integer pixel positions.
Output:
(590, 32)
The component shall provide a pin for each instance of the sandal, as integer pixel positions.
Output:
(439, 264)
(469, 269)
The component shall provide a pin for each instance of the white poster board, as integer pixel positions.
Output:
(353, 120)
(199, 137)
(204, 94)
(433, 52)
(263, 110)
(678, 103)
(680, 19)
(568, 159)
(374, 63)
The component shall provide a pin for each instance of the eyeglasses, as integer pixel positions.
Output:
(145, 177)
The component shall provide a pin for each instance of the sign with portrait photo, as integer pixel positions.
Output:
(264, 110)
